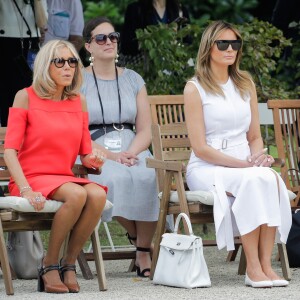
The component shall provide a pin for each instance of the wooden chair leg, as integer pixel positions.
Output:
(243, 263)
(286, 271)
(5, 264)
(232, 254)
(132, 266)
(84, 266)
(161, 224)
(99, 261)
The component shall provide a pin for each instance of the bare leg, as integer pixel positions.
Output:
(266, 244)
(74, 198)
(250, 243)
(145, 233)
(81, 211)
(130, 227)
(84, 227)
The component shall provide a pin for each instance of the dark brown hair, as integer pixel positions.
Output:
(92, 24)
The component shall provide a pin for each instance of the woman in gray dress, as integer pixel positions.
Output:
(117, 103)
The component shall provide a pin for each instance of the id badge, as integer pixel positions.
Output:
(113, 144)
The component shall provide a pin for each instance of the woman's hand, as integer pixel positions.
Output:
(126, 158)
(94, 160)
(36, 199)
(261, 159)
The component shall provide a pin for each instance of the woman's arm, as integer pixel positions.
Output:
(142, 139)
(254, 135)
(96, 158)
(13, 164)
(196, 130)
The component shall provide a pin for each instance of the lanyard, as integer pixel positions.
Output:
(121, 126)
(26, 23)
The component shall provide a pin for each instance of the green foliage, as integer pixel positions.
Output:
(169, 61)
(104, 8)
(167, 57)
(263, 46)
(230, 10)
(289, 65)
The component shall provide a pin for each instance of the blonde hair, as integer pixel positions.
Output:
(43, 84)
(203, 72)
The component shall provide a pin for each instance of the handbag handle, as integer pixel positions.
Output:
(187, 220)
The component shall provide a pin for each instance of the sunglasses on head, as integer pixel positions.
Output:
(101, 39)
(224, 44)
(60, 62)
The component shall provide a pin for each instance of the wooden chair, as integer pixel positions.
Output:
(14, 220)
(286, 114)
(171, 150)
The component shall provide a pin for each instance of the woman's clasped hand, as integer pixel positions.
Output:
(260, 159)
(126, 158)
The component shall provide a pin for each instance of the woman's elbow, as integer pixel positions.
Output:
(8, 154)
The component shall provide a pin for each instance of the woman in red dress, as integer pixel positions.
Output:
(47, 129)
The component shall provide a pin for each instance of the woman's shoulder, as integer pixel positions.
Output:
(21, 99)
(131, 74)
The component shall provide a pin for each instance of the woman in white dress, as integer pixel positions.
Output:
(117, 102)
(228, 157)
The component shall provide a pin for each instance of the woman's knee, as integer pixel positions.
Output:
(96, 197)
(77, 197)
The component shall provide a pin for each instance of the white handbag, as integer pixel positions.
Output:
(181, 262)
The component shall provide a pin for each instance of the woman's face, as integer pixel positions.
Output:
(226, 57)
(106, 49)
(64, 75)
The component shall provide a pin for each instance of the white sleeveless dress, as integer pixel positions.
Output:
(257, 199)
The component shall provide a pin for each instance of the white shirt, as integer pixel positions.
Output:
(12, 23)
(65, 18)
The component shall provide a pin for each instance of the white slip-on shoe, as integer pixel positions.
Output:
(280, 282)
(258, 284)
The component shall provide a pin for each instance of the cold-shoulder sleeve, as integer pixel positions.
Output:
(86, 142)
(16, 128)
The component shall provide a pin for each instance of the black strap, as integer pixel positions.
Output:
(109, 128)
(19, 10)
(100, 100)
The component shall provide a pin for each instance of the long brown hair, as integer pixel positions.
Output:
(203, 72)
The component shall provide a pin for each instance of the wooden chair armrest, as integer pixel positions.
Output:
(279, 162)
(164, 165)
(79, 169)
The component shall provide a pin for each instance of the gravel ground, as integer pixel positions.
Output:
(226, 284)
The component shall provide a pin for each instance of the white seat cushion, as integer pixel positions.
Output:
(192, 196)
(205, 197)
(292, 195)
(22, 204)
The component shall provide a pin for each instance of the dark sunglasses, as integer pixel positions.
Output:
(101, 39)
(60, 62)
(224, 44)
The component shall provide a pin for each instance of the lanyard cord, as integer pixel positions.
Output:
(19, 10)
(100, 100)
(36, 28)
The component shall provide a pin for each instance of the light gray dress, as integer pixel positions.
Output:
(132, 190)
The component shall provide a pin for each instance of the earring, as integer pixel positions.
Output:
(91, 59)
(116, 59)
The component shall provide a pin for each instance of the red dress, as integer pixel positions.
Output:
(48, 137)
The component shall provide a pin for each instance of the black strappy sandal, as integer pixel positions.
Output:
(73, 288)
(131, 239)
(47, 287)
(138, 269)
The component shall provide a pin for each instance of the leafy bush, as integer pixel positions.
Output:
(103, 8)
(169, 62)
